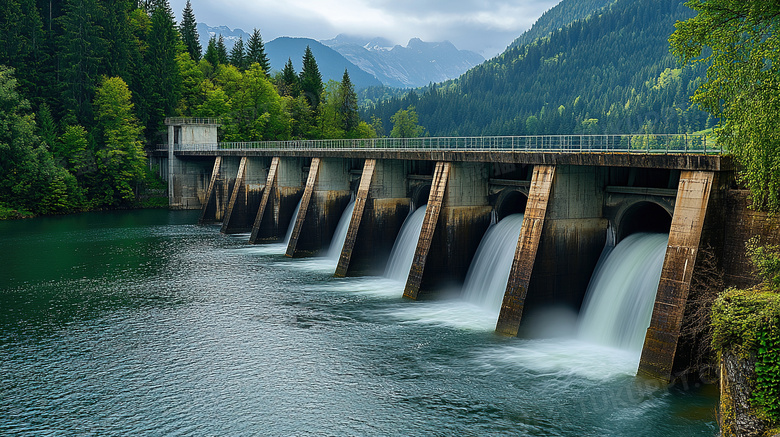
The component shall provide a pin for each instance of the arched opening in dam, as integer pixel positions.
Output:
(402, 254)
(510, 202)
(643, 216)
(487, 277)
(619, 302)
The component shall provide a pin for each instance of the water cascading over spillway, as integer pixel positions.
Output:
(489, 271)
(619, 302)
(402, 255)
(291, 226)
(337, 243)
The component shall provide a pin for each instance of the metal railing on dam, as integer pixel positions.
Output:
(627, 143)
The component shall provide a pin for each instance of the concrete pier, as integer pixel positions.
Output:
(435, 200)
(387, 206)
(209, 209)
(270, 185)
(357, 217)
(661, 342)
(527, 246)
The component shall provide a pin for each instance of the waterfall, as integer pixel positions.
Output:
(337, 243)
(619, 302)
(405, 245)
(489, 271)
(291, 226)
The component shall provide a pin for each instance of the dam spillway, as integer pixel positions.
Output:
(570, 199)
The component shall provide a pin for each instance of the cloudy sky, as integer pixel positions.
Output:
(484, 26)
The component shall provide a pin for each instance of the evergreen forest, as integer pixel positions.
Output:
(86, 85)
(610, 72)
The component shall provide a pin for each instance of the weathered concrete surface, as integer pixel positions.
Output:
(617, 159)
(740, 223)
(387, 207)
(290, 184)
(572, 240)
(187, 178)
(307, 194)
(245, 196)
(357, 216)
(661, 341)
(320, 213)
(527, 246)
(270, 185)
(209, 209)
(239, 190)
(463, 221)
(435, 200)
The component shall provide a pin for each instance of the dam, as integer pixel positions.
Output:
(573, 198)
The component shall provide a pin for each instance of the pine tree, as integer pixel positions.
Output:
(116, 23)
(211, 52)
(237, 56)
(290, 82)
(22, 45)
(189, 32)
(163, 86)
(222, 54)
(82, 48)
(347, 105)
(256, 52)
(311, 79)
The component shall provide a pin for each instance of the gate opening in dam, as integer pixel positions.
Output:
(512, 228)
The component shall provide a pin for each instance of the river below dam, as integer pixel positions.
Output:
(143, 323)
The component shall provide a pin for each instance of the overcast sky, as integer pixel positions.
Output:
(484, 26)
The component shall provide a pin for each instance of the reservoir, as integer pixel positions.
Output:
(143, 323)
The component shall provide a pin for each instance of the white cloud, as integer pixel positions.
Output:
(484, 26)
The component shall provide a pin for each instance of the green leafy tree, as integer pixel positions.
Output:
(188, 28)
(311, 80)
(405, 124)
(29, 178)
(741, 43)
(237, 55)
(256, 52)
(72, 150)
(121, 159)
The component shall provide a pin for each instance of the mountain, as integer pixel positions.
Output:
(608, 73)
(205, 32)
(330, 62)
(418, 64)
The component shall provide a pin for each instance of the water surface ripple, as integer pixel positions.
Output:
(140, 323)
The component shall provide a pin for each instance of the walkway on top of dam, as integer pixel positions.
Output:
(674, 151)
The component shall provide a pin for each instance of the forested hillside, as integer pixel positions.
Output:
(560, 15)
(85, 86)
(609, 73)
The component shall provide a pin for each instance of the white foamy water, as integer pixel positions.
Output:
(337, 243)
(402, 255)
(489, 271)
(619, 302)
